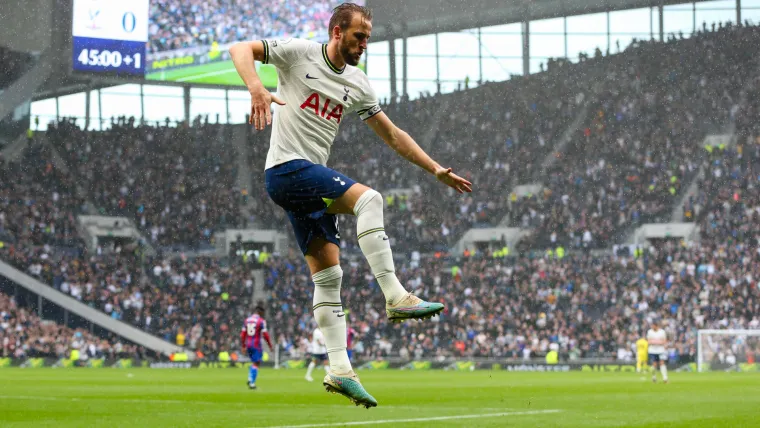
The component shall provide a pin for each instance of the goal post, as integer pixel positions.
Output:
(726, 348)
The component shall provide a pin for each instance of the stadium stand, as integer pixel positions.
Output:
(23, 334)
(179, 188)
(184, 24)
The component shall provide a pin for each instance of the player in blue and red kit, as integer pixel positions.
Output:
(350, 336)
(254, 329)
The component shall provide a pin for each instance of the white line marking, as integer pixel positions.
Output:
(186, 402)
(438, 418)
(209, 74)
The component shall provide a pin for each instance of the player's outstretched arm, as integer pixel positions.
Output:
(405, 145)
(243, 56)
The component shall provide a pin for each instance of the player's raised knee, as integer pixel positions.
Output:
(371, 201)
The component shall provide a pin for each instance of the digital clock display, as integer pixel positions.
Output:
(109, 36)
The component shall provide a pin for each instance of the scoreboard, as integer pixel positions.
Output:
(110, 36)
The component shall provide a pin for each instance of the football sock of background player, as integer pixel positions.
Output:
(375, 245)
(328, 311)
(253, 372)
(664, 371)
(310, 368)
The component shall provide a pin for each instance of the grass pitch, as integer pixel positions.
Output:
(219, 398)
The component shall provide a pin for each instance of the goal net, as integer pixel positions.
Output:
(728, 350)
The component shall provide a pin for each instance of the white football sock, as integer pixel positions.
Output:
(375, 245)
(328, 311)
(664, 371)
(310, 369)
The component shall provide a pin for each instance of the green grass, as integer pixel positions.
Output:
(219, 398)
(219, 73)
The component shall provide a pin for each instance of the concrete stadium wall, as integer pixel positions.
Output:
(26, 25)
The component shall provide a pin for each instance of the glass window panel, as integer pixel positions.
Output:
(718, 5)
(421, 68)
(535, 64)
(499, 69)
(130, 89)
(162, 102)
(502, 45)
(461, 44)
(421, 45)
(547, 39)
(548, 26)
(415, 88)
(618, 42)
(586, 44)
(502, 29)
(239, 105)
(595, 23)
(45, 110)
(547, 46)
(122, 100)
(209, 102)
(655, 23)
(382, 88)
(94, 111)
(716, 12)
(678, 18)
(73, 106)
(634, 21)
(399, 65)
(751, 11)
(378, 62)
(458, 69)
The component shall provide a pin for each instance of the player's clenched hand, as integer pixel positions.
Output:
(445, 176)
(261, 113)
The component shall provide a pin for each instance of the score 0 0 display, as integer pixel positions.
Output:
(110, 36)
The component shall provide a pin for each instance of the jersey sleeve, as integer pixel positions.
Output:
(263, 327)
(284, 53)
(369, 105)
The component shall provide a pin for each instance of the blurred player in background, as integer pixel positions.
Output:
(318, 84)
(657, 339)
(254, 329)
(642, 354)
(351, 335)
(318, 352)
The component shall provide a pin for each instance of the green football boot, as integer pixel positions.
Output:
(348, 385)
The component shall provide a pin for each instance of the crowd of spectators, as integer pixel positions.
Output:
(516, 307)
(642, 141)
(38, 203)
(178, 184)
(639, 146)
(178, 24)
(23, 334)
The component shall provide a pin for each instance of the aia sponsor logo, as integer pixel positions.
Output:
(325, 110)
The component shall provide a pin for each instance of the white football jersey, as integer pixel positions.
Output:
(317, 95)
(318, 342)
(660, 335)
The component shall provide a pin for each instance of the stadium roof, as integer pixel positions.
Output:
(431, 16)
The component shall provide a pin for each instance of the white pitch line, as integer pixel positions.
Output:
(437, 418)
(209, 74)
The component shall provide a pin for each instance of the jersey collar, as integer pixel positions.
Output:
(329, 63)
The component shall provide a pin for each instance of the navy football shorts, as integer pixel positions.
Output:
(305, 190)
(656, 358)
(319, 357)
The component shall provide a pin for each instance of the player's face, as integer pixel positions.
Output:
(354, 40)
